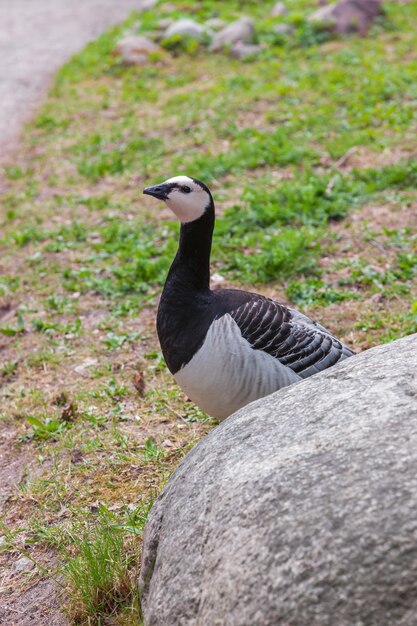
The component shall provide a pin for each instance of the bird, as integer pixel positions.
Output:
(228, 347)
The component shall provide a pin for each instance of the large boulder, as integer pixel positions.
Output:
(300, 509)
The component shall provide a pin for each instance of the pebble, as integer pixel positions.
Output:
(135, 49)
(85, 365)
(215, 23)
(185, 27)
(165, 23)
(279, 9)
(282, 29)
(242, 29)
(23, 564)
(242, 50)
(348, 16)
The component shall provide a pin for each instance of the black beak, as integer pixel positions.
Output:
(159, 191)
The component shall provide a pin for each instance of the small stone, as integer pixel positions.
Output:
(185, 27)
(323, 14)
(23, 564)
(242, 29)
(217, 278)
(348, 16)
(165, 23)
(279, 9)
(242, 50)
(215, 23)
(135, 49)
(80, 369)
(282, 29)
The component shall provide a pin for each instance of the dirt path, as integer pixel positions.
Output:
(36, 38)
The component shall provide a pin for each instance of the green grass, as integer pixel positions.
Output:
(309, 149)
(97, 561)
(309, 102)
(101, 565)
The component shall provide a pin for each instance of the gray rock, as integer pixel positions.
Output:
(185, 27)
(282, 29)
(348, 16)
(242, 29)
(23, 565)
(133, 50)
(165, 23)
(87, 363)
(299, 510)
(242, 50)
(215, 23)
(279, 9)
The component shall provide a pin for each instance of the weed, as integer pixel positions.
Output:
(115, 391)
(314, 291)
(44, 428)
(11, 331)
(151, 451)
(8, 369)
(113, 341)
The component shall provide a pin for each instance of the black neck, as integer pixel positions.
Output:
(191, 266)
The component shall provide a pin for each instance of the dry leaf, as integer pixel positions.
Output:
(139, 382)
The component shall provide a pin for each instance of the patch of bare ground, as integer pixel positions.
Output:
(12, 464)
(38, 603)
(257, 116)
(360, 157)
(26, 597)
(364, 235)
(363, 238)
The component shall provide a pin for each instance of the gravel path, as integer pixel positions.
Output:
(36, 38)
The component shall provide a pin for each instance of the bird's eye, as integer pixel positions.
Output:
(185, 189)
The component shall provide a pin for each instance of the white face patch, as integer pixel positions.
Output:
(187, 205)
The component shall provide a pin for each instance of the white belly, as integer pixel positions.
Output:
(226, 373)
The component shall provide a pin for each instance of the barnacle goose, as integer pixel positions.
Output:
(226, 348)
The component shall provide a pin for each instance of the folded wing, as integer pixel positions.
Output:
(289, 336)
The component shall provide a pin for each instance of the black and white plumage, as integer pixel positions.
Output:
(226, 348)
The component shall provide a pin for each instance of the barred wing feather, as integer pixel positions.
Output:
(291, 337)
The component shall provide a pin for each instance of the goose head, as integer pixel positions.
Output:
(187, 197)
